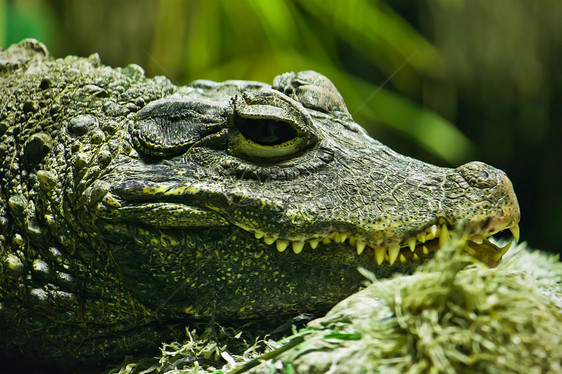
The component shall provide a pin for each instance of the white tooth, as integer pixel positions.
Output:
(258, 235)
(352, 241)
(282, 245)
(360, 245)
(379, 254)
(412, 244)
(393, 253)
(343, 237)
(297, 247)
(421, 237)
(314, 243)
(402, 258)
(425, 250)
(416, 257)
(268, 240)
(326, 240)
(515, 232)
(444, 237)
(433, 230)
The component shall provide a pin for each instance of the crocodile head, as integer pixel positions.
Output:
(130, 207)
(269, 197)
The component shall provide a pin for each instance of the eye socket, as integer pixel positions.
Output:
(267, 132)
(271, 126)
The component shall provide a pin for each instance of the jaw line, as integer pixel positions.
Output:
(425, 243)
(413, 248)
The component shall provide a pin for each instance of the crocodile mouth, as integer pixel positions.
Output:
(415, 248)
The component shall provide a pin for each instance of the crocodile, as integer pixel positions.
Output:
(132, 207)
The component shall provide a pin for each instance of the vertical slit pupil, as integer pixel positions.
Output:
(266, 131)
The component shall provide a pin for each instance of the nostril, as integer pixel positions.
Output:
(479, 174)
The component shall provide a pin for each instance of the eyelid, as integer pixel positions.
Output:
(265, 112)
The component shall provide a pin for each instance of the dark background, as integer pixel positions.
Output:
(443, 81)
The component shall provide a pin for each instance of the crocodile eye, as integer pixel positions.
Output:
(270, 125)
(265, 131)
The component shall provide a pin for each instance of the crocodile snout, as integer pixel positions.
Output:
(496, 186)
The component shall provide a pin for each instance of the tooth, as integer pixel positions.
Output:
(425, 250)
(258, 235)
(314, 243)
(402, 258)
(421, 237)
(326, 240)
(339, 237)
(477, 240)
(379, 254)
(412, 244)
(298, 246)
(506, 248)
(515, 232)
(360, 245)
(416, 257)
(393, 253)
(502, 251)
(433, 230)
(268, 240)
(282, 245)
(352, 241)
(444, 237)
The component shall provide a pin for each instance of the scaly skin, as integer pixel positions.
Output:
(131, 207)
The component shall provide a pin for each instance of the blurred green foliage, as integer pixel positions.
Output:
(256, 39)
(18, 20)
(407, 70)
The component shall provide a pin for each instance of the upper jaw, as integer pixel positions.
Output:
(397, 247)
